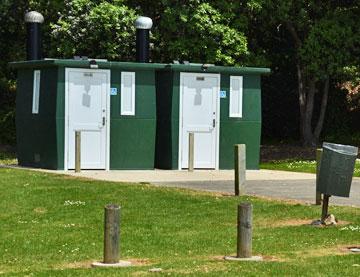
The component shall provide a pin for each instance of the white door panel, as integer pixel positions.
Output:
(199, 115)
(87, 112)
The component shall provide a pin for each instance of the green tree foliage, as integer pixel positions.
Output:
(12, 33)
(196, 31)
(99, 29)
(323, 36)
(11, 36)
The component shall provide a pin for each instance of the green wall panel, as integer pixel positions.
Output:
(36, 133)
(245, 130)
(145, 101)
(132, 143)
(251, 98)
(231, 133)
(132, 138)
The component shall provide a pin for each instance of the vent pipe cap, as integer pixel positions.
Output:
(34, 17)
(143, 22)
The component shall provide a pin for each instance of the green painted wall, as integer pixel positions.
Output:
(36, 133)
(132, 138)
(245, 130)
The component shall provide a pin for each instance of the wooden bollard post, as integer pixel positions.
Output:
(191, 152)
(239, 167)
(77, 151)
(244, 232)
(244, 235)
(111, 234)
(318, 163)
(111, 239)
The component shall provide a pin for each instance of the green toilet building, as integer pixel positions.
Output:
(113, 104)
(135, 115)
(220, 105)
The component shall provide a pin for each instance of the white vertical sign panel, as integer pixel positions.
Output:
(127, 93)
(236, 96)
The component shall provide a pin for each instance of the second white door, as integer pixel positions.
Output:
(199, 97)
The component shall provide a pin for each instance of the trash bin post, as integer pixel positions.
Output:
(318, 162)
(325, 208)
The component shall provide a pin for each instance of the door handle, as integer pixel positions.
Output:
(214, 123)
(103, 121)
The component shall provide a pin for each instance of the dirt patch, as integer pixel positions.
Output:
(280, 200)
(203, 268)
(87, 264)
(326, 251)
(285, 223)
(266, 258)
(40, 210)
(140, 262)
(273, 259)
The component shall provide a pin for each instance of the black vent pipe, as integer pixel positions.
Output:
(143, 25)
(33, 21)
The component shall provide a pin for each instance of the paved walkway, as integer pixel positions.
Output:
(268, 183)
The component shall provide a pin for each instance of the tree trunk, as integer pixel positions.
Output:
(308, 136)
(324, 100)
(307, 90)
(302, 99)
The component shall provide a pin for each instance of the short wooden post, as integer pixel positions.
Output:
(240, 167)
(325, 208)
(191, 152)
(111, 234)
(318, 163)
(77, 151)
(244, 232)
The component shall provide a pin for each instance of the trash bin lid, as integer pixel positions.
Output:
(342, 149)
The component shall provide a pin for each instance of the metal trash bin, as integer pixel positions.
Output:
(336, 169)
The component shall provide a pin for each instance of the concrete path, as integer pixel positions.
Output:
(267, 183)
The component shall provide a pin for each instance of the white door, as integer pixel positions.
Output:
(199, 97)
(87, 111)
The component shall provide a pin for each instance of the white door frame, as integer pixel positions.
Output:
(66, 116)
(217, 120)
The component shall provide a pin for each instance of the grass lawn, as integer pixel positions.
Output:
(52, 225)
(300, 166)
